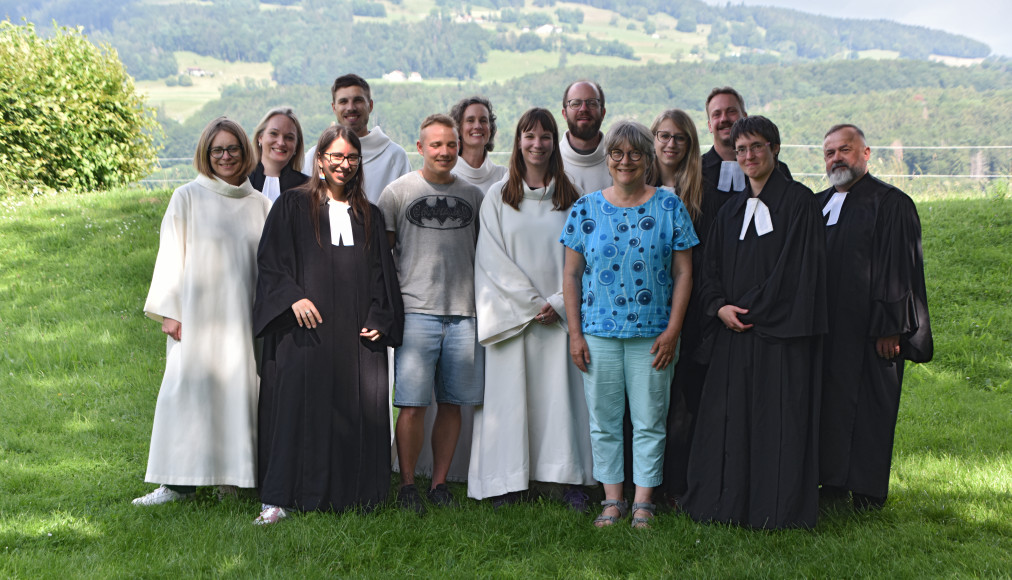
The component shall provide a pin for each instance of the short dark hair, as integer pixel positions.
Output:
(841, 126)
(756, 125)
(725, 91)
(349, 80)
(600, 91)
(457, 112)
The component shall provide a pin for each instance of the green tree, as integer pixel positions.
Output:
(71, 117)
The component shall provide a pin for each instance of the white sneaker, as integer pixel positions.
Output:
(162, 495)
(271, 515)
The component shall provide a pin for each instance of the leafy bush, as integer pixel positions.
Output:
(69, 115)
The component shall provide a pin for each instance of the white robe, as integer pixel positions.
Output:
(589, 173)
(204, 430)
(534, 423)
(483, 176)
(382, 162)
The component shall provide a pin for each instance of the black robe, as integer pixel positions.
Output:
(289, 178)
(324, 423)
(754, 457)
(687, 385)
(876, 289)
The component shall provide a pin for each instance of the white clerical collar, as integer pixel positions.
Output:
(731, 175)
(757, 210)
(833, 207)
(272, 187)
(340, 223)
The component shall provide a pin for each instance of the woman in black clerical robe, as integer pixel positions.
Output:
(279, 153)
(754, 457)
(327, 305)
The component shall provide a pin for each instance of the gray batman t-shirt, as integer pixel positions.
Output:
(437, 229)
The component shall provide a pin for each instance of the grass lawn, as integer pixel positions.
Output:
(80, 367)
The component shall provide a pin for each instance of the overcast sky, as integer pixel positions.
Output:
(985, 20)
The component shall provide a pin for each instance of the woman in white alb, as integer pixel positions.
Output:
(204, 430)
(476, 124)
(533, 425)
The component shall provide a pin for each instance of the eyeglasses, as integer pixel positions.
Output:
(592, 104)
(617, 155)
(664, 137)
(232, 150)
(755, 148)
(339, 158)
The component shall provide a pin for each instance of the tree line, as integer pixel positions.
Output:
(909, 102)
(303, 39)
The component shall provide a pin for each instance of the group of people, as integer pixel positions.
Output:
(608, 308)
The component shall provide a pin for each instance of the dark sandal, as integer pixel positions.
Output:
(623, 510)
(639, 522)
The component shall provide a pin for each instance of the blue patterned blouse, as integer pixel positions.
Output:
(627, 284)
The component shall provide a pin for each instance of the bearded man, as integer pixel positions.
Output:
(878, 318)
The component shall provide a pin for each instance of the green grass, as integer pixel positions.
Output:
(180, 102)
(80, 367)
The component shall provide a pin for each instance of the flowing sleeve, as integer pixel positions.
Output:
(899, 303)
(277, 267)
(505, 298)
(386, 309)
(165, 296)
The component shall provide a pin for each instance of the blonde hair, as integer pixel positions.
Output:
(202, 156)
(300, 145)
(689, 174)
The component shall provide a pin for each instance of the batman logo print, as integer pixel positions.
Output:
(440, 212)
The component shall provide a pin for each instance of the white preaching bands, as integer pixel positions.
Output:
(833, 207)
(340, 224)
(731, 175)
(756, 210)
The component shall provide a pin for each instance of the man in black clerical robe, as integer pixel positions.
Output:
(324, 420)
(754, 457)
(722, 180)
(878, 318)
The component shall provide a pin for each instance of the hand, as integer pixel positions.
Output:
(579, 351)
(172, 328)
(372, 335)
(547, 316)
(663, 350)
(306, 313)
(888, 347)
(728, 314)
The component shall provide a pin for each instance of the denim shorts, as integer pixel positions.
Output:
(440, 353)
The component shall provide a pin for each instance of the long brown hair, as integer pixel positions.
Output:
(689, 173)
(316, 188)
(513, 193)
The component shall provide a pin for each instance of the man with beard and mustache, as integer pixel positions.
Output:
(432, 224)
(382, 160)
(878, 317)
(582, 148)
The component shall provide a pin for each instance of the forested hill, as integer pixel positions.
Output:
(910, 102)
(307, 40)
(794, 33)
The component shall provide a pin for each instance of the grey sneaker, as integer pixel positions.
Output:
(162, 495)
(441, 496)
(408, 499)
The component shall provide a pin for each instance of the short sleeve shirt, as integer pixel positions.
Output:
(627, 283)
